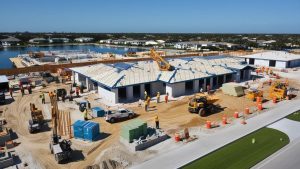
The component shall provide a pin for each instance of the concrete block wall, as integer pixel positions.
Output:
(111, 96)
(157, 87)
(295, 63)
(176, 89)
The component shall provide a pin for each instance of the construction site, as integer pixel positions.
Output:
(123, 114)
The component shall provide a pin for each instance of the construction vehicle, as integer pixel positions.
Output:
(202, 104)
(278, 89)
(61, 148)
(37, 119)
(252, 94)
(162, 63)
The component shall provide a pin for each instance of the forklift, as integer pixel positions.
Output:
(61, 148)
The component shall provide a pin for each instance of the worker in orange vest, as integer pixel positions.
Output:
(148, 100)
(167, 97)
(270, 82)
(77, 91)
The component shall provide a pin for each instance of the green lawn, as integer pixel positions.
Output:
(295, 116)
(242, 153)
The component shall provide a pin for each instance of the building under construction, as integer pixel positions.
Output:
(126, 82)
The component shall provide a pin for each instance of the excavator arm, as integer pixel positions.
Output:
(162, 63)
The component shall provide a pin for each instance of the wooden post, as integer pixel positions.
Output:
(70, 129)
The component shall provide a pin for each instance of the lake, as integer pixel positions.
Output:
(6, 53)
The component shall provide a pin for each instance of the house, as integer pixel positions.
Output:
(123, 82)
(38, 40)
(137, 42)
(193, 45)
(264, 43)
(277, 59)
(10, 41)
(59, 40)
(151, 43)
(83, 39)
(108, 41)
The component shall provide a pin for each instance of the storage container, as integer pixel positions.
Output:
(98, 112)
(91, 131)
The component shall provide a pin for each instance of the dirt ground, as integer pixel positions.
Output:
(173, 116)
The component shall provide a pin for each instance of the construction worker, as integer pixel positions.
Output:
(146, 105)
(270, 82)
(156, 122)
(22, 91)
(158, 97)
(145, 95)
(11, 92)
(208, 89)
(43, 98)
(148, 101)
(167, 97)
(201, 90)
(77, 91)
(85, 115)
(29, 89)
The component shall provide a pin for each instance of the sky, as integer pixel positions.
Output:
(151, 16)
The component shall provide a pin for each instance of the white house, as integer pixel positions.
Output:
(277, 59)
(108, 41)
(83, 39)
(151, 43)
(38, 40)
(10, 41)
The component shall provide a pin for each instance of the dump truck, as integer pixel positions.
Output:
(278, 89)
(202, 104)
(37, 119)
(252, 94)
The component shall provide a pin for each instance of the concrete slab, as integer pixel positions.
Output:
(289, 127)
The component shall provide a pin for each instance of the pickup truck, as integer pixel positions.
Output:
(113, 116)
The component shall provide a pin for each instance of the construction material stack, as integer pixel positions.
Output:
(232, 89)
(85, 130)
(134, 130)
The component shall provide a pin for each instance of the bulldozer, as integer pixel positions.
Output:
(278, 90)
(252, 94)
(37, 119)
(202, 104)
(162, 63)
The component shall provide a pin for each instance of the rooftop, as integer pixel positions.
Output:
(274, 55)
(125, 74)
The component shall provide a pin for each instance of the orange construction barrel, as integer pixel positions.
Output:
(258, 99)
(208, 124)
(274, 99)
(236, 115)
(177, 137)
(247, 111)
(259, 106)
(224, 120)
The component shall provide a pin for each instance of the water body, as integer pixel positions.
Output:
(6, 53)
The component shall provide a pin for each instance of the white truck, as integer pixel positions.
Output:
(113, 116)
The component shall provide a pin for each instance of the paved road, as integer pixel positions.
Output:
(288, 157)
(194, 150)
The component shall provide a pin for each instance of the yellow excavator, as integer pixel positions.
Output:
(162, 63)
